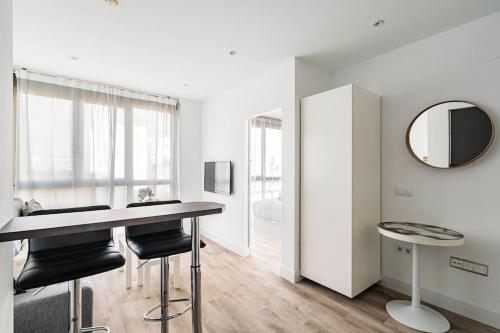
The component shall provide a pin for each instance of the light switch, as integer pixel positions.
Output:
(481, 269)
(468, 266)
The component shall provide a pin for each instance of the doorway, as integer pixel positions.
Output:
(265, 207)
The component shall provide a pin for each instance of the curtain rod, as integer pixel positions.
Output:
(94, 82)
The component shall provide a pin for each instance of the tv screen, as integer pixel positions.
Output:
(218, 177)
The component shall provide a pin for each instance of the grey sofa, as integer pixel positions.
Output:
(48, 311)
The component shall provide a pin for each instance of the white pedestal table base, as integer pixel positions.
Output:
(421, 318)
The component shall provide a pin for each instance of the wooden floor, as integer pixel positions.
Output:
(243, 295)
(267, 250)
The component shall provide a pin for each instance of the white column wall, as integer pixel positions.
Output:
(6, 163)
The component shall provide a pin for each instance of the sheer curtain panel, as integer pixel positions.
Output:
(82, 143)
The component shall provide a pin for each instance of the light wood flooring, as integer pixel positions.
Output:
(267, 250)
(244, 295)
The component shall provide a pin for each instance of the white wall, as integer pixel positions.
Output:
(190, 152)
(224, 121)
(309, 80)
(6, 147)
(224, 138)
(464, 64)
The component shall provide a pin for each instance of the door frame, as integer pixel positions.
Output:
(247, 184)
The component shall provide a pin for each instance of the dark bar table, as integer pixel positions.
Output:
(63, 224)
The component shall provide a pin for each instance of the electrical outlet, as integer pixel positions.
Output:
(469, 266)
(403, 249)
(457, 263)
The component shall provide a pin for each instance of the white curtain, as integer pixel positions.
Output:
(82, 143)
(265, 158)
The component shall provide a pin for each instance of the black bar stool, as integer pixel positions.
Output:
(160, 240)
(69, 258)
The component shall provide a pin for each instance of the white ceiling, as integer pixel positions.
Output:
(159, 45)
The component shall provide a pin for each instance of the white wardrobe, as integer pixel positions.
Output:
(340, 189)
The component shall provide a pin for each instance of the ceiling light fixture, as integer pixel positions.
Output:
(186, 84)
(74, 58)
(111, 2)
(378, 23)
(232, 52)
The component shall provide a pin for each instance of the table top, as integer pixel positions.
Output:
(419, 233)
(69, 223)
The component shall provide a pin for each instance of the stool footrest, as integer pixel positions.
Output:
(95, 329)
(175, 315)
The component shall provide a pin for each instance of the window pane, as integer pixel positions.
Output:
(120, 144)
(273, 163)
(273, 153)
(98, 135)
(152, 144)
(96, 123)
(45, 139)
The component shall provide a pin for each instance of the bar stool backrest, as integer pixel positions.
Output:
(153, 228)
(56, 242)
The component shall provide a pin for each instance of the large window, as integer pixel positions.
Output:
(266, 158)
(80, 145)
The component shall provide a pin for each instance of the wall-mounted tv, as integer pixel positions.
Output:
(218, 177)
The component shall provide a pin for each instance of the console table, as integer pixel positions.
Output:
(413, 314)
(62, 224)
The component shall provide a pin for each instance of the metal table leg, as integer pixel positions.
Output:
(76, 306)
(165, 285)
(195, 276)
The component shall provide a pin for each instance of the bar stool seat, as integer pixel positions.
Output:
(68, 263)
(163, 244)
(160, 240)
(68, 258)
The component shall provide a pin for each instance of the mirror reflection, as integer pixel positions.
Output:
(450, 134)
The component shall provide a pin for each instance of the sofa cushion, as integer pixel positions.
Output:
(48, 311)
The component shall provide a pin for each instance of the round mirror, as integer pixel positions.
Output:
(450, 134)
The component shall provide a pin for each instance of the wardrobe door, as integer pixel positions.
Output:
(326, 188)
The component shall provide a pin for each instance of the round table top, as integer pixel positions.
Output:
(419, 233)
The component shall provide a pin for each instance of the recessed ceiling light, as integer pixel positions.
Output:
(111, 2)
(74, 58)
(378, 23)
(232, 52)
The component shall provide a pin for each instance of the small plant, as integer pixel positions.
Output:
(145, 194)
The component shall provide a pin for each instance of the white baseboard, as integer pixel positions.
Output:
(290, 275)
(239, 250)
(468, 310)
